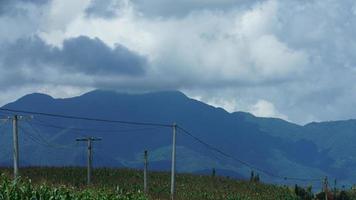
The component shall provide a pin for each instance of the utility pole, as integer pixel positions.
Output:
(15, 135)
(326, 187)
(89, 141)
(335, 190)
(16, 145)
(145, 171)
(173, 170)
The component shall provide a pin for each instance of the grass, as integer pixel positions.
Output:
(128, 184)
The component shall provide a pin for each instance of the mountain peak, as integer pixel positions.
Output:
(168, 93)
(29, 100)
(106, 93)
(36, 97)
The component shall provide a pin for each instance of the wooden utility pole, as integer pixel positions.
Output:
(15, 145)
(145, 172)
(173, 170)
(89, 141)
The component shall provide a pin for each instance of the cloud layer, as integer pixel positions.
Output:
(30, 57)
(277, 58)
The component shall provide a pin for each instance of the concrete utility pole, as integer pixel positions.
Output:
(89, 140)
(335, 190)
(16, 145)
(213, 173)
(326, 187)
(145, 172)
(173, 170)
(15, 135)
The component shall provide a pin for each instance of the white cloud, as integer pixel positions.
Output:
(259, 20)
(265, 108)
(63, 12)
(273, 58)
(173, 8)
(205, 44)
(230, 105)
(58, 16)
(230, 53)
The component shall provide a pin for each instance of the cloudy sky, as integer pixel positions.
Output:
(292, 59)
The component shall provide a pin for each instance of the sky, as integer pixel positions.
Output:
(290, 59)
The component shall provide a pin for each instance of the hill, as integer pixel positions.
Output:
(277, 146)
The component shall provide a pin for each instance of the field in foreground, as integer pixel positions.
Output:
(69, 183)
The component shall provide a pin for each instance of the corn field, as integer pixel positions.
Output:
(126, 184)
(24, 189)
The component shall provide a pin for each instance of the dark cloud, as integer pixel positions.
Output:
(13, 2)
(31, 51)
(92, 55)
(81, 54)
(35, 1)
(6, 6)
(12, 6)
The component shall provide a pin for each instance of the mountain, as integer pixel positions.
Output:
(275, 145)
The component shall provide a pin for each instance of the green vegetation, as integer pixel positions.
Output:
(115, 184)
(24, 189)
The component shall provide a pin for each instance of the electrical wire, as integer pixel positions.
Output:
(5, 113)
(85, 118)
(30, 137)
(268, 173)
(211, 147)
(44, 142)
(37, 130)
(4, 119)
(46, 124)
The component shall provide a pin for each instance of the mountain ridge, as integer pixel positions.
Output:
(259, 141)
(177, 93)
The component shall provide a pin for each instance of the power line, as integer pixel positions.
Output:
(2, 116)
(30, 136)
(45, 124)
(53, 126)
(5, 113)
(157, 125)
(86, 118)
(4, 119)
(36, 131)
(211, 147)
(43, 142)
